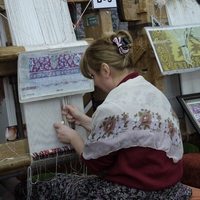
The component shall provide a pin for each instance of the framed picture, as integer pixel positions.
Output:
(191, 106)
(176, 48)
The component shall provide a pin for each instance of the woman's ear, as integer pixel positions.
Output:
(105, 69)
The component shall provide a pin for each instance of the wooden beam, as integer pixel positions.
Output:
(2, 6)
(10, 53)
(15, 156)
(8, 59)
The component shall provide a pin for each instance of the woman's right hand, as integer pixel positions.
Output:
(74, 115)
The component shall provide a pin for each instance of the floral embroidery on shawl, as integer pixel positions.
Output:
(110, 127)
(145, 119)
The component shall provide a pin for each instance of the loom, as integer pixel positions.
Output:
(47, 80)
(48, 72)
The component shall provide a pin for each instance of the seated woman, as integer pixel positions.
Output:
(134, 140)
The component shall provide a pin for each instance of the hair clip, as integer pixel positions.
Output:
(126, 41)
(122, 44)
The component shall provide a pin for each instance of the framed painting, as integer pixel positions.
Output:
(191, 106)
(176, 48)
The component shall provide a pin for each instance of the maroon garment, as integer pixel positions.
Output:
(130, 76)
(138, 167)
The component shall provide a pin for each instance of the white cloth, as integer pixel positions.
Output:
(134, 114)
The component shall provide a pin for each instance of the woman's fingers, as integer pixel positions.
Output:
(57, 125)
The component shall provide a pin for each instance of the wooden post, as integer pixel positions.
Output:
(140, 17)
(96, 23)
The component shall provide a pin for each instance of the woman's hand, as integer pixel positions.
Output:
(64, 133)
(74, 115)
(69, 136)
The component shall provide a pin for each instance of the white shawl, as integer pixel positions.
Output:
(134, 114)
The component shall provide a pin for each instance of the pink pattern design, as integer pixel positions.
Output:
(54, 65)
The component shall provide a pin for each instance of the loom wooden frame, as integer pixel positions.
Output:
(184, 101)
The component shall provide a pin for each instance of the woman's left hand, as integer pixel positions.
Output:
(69, 136)
(64, 133)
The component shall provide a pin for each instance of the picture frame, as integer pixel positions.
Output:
(176, 48)
(191, 105)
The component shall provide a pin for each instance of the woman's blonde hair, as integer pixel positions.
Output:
(113, 49)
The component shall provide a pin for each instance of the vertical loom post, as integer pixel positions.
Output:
(20, 129)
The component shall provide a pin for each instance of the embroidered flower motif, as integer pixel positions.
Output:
(155, 124)
(145, 118)
(174, 114)
(165, 127)
(136, 122)
(159, 117)
(171, 129)
(173, 132)
(125, 117)
(109, 125)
